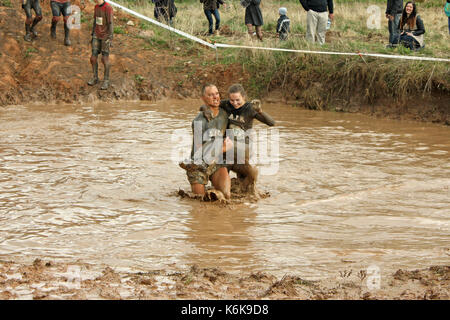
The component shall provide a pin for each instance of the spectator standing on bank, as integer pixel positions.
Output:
(253, 17)
(283, 24)
(394, 11)
(211, 8)
(318, 12)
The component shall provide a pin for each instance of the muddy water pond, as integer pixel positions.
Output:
(97, 183)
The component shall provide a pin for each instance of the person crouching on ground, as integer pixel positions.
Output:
(31, 23)
(411, 28)
(210, 8)
(208, 145)
(60, 7)
(102, 35)
(283, 24)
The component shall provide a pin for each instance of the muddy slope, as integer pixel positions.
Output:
(144, 69)
(47, 71)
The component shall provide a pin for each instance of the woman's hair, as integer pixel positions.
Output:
(237, 88)
(411, 21)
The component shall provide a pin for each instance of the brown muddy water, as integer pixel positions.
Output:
(96, 183)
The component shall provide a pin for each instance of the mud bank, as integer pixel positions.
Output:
(45, 71)
(49, 280)
(148, 68)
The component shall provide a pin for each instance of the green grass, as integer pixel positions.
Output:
(6, 3)
(29, 52)
(304, 76)
(119, 30)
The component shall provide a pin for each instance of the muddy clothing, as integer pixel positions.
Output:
(394, 7)
(242, 117)
(32, 4)
(204, 175)
(283, 27)
(60, 7)
(103, 22)
(239, 122)
(100, 46)
(317, 5)
(253, 13)
(209, 136)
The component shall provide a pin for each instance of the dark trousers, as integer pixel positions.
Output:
(393, 28)
(32, 4)
(407, 41)
(60, 8)
(209, 14)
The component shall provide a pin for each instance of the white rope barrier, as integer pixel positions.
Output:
(221, 45)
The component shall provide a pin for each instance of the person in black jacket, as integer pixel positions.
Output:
(165, 9)
(318, 12)
(411, 28)
(393, 14)
(283, 24)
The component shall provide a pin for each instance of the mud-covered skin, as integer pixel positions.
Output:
(239, 121)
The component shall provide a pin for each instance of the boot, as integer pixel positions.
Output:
(27, 36)
(33, 31)
(105, 84)
(53, 29)
(94, 79)
(66, 35)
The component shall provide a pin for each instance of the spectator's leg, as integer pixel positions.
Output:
(208, 15)
(250, 29)
(259, 32)
(322, 19)
(449, 25)
(217, 16)
(311, 25)
(393, 29)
